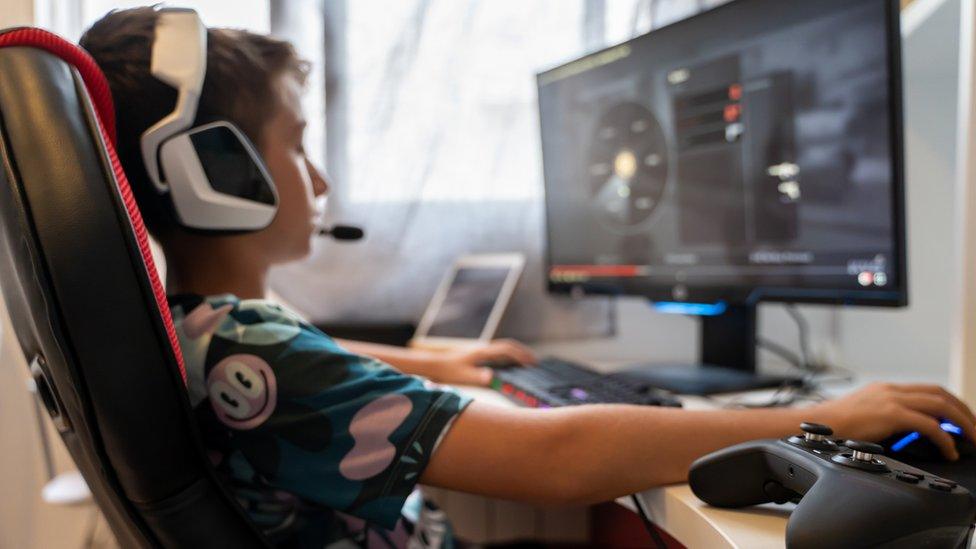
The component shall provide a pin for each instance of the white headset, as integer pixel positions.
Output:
(213, 174)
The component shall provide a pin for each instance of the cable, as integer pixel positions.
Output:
(801, 361)
(803, 333)
(781, 351)
(648, 523)
(787, 394)
(613, 314)
(808, 388)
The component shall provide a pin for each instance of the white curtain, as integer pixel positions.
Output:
(70, 18)
(433, 143)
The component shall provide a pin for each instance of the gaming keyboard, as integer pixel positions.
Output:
(555, 382)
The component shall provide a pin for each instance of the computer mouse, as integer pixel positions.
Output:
(914, 446)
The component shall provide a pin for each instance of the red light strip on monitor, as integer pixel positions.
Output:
(596, 270)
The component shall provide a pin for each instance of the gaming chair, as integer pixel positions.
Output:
(88, 307)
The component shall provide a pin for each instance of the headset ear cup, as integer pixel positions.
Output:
(232, 163)
(217, 180)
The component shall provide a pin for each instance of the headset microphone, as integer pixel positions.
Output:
(342, 232)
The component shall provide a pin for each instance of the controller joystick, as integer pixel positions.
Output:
(864, 451)
(816, 431)
(846, 495)
(862, 455)
(815, 436)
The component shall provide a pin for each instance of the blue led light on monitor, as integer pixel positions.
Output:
(947, 426)
(695, 309)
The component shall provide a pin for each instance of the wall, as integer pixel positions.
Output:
(16, 12)
(916, 341)
(963, 365)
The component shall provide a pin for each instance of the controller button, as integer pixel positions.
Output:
(942, 486)
(910, 478)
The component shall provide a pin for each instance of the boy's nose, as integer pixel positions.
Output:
(320, 185)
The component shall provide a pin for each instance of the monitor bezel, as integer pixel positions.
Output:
(732, 294)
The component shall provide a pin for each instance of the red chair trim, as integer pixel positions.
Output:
(101, 97)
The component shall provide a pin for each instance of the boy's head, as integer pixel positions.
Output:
(252, 80)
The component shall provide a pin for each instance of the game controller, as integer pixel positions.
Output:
(847, 493)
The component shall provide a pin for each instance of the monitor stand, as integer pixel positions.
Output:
(728, 359)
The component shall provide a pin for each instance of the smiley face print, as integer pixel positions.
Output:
(243, 391)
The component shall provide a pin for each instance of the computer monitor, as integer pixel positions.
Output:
(750, 153)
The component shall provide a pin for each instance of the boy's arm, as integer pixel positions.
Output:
(460, 367)
(587, 454)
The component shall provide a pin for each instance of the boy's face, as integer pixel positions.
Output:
(298, 181)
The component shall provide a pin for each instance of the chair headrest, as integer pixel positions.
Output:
(101, 97)
(91, 74)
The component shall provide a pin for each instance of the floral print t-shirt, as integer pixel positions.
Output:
(322, 447)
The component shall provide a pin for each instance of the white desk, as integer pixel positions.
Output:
(677, 511)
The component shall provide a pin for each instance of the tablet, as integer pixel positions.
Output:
(470, 301)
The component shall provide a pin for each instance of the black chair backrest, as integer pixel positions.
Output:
(88, 309)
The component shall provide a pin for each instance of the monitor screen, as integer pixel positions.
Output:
(750, 152)
(469, 302)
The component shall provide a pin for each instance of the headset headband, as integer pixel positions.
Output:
(215, 179)
(179, 58)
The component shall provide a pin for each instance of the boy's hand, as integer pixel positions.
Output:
(883, 409)
(466, 366)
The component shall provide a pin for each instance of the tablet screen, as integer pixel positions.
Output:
(469, 302)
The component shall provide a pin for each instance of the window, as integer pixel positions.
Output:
(442, 103)
(70, 18)
(441, 95)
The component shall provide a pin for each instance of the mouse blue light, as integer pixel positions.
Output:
(950, 427)
(905, 441)
(696, 309)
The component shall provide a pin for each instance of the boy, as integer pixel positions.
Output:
(319, 442)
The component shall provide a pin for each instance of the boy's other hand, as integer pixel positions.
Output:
(883, 409)
(466, 366)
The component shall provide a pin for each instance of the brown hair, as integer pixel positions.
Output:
(241, 69)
